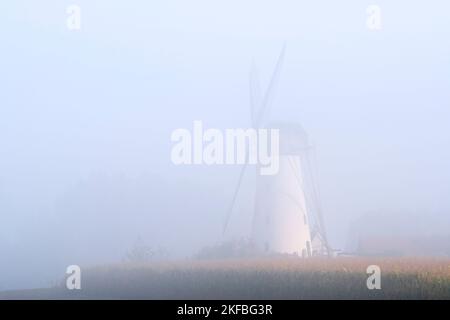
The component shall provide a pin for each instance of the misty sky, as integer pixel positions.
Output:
(86, 118)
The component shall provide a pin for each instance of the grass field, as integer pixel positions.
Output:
(280, 278)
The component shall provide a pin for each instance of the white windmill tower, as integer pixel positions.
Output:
(287, 217)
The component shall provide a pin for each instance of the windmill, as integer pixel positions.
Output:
(287, 214)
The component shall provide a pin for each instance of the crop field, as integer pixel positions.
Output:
(267, 278)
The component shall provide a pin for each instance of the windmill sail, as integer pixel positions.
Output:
(257, 114)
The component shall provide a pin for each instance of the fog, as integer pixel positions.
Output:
(86, 118)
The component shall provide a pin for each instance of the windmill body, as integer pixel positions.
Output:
(281, 220)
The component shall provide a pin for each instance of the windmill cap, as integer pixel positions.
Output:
(293, 138)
